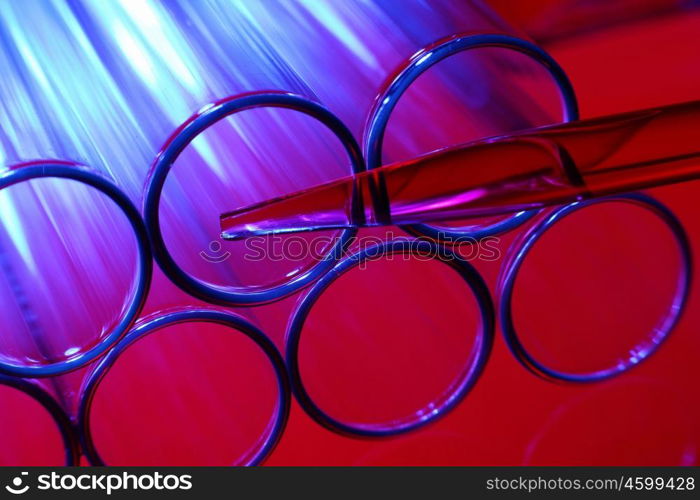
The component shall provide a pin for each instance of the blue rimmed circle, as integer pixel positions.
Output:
(277, 424)
(421, 62)
(182, 138)
(457, 390)
(71, 443)
(76, 172)
(638, 353)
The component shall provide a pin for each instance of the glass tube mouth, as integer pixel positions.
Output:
(419, 63)
(450, 396)
(635, 354)
(183, 136)
(58, 169)
(267, 441)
